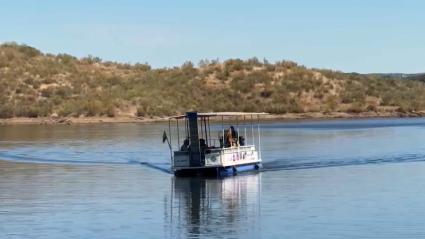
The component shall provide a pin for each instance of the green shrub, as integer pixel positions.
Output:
(355, 108)
(93, 108)
(47, 92)
(233, 65)
(111, 112)
(26, 111)
(6, 111)
(140, 112)
(372, 108)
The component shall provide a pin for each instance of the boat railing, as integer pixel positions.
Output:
(235, 148)
(212, 150)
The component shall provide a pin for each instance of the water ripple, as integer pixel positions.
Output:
(280, 164)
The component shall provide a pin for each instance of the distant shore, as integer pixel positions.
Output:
(130, 119)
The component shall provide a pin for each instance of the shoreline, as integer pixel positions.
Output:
(132, 119)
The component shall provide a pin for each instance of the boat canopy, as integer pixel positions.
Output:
(214, 114)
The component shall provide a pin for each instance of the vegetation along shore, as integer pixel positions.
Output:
(36, 87)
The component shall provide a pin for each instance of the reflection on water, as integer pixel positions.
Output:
(214, 207)
(104, 201)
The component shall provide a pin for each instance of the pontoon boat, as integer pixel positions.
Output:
(214, 144)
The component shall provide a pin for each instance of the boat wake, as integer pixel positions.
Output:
(274, 165)
(156, 167)
(30, 159)
(281, 164)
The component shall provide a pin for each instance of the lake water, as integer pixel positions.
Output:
(322, 179)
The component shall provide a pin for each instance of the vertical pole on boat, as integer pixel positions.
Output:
(199, 145)
(169, 130)
(178, 134)
(222, 129)
(209, 131)
(259, 137)
(244, 127)
(237, 140)
(170, 142)
(206, 132)
(200, 120)
(252, 131)
(237, 127)
(186, 128)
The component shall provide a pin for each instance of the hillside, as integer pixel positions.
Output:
(34, 84)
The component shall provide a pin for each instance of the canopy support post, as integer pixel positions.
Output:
(252, 131)
(222, 131)
(178, 134)
(170, 142)
(259, 137)
(244, 128)
(206, 132)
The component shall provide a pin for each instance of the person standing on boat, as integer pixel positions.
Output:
(234, 135)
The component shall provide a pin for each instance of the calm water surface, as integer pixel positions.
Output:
(334, 179)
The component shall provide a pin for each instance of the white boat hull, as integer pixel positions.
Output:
(219, 158)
